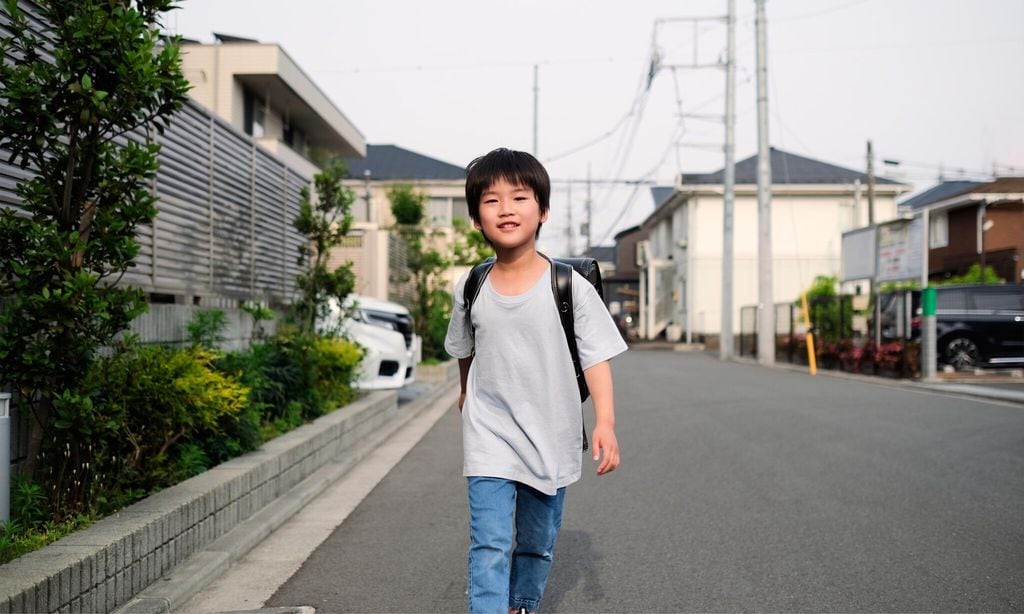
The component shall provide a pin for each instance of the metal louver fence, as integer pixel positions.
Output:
(224, 216)
(225, 207)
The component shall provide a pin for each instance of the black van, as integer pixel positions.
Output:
(976, 325)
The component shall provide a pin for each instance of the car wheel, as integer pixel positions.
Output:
(962, 353)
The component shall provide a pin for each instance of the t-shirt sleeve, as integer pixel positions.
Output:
(459, 340)
(597, 337)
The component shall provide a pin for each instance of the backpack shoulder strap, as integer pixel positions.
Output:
(561, 287)
(474, 282)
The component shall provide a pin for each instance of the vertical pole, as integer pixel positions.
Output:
(570, 231)
(811, 359)
(766, 300)
(725, 349)
(589, 212)
(5, 457)
(871, 184)
(369, 210)
(929, 358)
(209, 198)
(536, 96)
(252, 221)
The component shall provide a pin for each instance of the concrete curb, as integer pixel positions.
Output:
(188, 530)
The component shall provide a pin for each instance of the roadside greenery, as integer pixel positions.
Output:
(159, 415)
(112, 420)
(324, 223)
(70, 110)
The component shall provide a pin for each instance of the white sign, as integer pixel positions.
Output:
(899, 250)
(858, 256)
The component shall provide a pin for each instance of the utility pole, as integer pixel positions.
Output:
(871, 223)
(369, 211)
(569, 231)
(536, 95)
(871, 185)
(587, 226)
(766, 299)
(725, 338)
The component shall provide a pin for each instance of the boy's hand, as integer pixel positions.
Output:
(604, 440)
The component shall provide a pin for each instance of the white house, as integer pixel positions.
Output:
(813, 203)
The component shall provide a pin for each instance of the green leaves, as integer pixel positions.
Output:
(100, 73)
(324, 224)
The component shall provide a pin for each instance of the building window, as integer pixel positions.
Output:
(938, 230)
(255, 112)
(460, 209)
(439, 211)
(294, 138)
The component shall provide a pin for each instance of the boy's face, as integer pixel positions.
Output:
(509, 214)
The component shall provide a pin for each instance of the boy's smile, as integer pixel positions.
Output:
(509, 214)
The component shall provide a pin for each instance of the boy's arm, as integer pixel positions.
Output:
(463, 377)
(599, 381)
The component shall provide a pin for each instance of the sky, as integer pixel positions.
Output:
(936, 85)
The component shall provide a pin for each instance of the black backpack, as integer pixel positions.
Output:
(561, 289)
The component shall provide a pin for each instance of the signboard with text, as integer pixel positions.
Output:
(899, 250)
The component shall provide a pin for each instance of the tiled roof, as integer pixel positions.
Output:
(390, 162)
(787, 169)
(946, 189)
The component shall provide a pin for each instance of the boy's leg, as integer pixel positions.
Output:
(538, 518)
(492, 504)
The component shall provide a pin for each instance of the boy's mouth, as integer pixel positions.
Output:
(507, 225)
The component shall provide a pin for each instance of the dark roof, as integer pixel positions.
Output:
(392, 162)
(627, 231)
(230, 38)
(946, 189)
(952, 189)
(660, 194)
(787, 168)
(603, 253)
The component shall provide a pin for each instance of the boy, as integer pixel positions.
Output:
(521, 416)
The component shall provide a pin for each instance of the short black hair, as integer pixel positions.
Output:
(516, 167)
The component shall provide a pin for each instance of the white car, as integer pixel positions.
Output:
(385, 331)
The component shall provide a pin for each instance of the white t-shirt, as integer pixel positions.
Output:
(522, 417)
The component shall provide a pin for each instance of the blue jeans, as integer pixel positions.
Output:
(500, 577)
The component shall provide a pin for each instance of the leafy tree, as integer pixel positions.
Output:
(325, 224)
(431, 303)
(470, 247)
(77, 109)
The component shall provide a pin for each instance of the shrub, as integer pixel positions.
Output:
(207, 328)
(154, 400)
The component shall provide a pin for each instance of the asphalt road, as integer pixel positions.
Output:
(742, 488)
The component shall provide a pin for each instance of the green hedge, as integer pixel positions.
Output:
(153, 416)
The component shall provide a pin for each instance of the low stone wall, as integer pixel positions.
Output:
(104, 566)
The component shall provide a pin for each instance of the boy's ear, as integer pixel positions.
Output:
(476, 224)
(544, 216)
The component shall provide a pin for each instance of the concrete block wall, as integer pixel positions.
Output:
(104, 566)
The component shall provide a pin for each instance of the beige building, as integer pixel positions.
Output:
(257, 88)
(813, 203)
